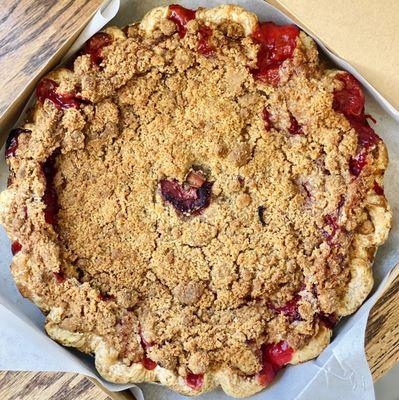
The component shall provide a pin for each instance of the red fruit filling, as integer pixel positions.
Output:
(180, 16)
(266, 119)
(328, 320)
(147, 362)
(295, 128)
(46, 89)
(12, 141)
(59, 277)
(204, 47)
(195, 381)
(50, 197)
(186, 198)
(274, 357)
(357, 163)
(15, 247)
(350, 102)
(94, 46)
(331, 221)
(290, 309)
(106, 297)
(277, 44)
(378, 189)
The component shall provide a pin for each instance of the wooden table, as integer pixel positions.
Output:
(31, 32)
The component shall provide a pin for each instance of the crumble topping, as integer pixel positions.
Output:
(190, 202)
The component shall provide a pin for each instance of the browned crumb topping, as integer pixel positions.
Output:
(208, 288)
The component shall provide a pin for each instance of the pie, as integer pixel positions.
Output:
(196, 200)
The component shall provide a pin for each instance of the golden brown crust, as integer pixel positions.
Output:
(184, 291)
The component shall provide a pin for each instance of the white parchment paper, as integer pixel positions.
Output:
(340, 372)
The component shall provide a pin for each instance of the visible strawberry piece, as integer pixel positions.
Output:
(148, 363)
(267, 374)
(378, 189)
(357, 163)
(204, 47)
(266, 119)
(94, 46)
(46, 89)
(328, 320)
(16, 247)
(277, 44)
(50, 197)
(180, 16)
(295, 128)
(366, 134)
(349, 100)
(290, 309)
(195, 381)
(278, 354)
(274, 357)
(59, 277)
(12, 141)
(186, 199)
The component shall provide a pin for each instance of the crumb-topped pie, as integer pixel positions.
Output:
(197, 200)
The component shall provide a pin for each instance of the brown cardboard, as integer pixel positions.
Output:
(363, 32)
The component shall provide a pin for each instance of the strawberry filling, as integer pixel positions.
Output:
(50, 198)
(195, 381)
(328, 320)
(277, 44)
(295, 128)
(350, 102)
(290, 309)
(46, 89)
(12, 141)
(357, 163)
(147, 362)
(204, 47)
(266, 119)
(274, 357)
(95, 45)
(59, 277)
(16, 247)
(186, 199)
(180, 16)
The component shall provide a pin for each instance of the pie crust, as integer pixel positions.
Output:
(330, 276)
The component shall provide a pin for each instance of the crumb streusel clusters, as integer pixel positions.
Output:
(197, 201)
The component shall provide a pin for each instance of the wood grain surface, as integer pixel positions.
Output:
(30, 33)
